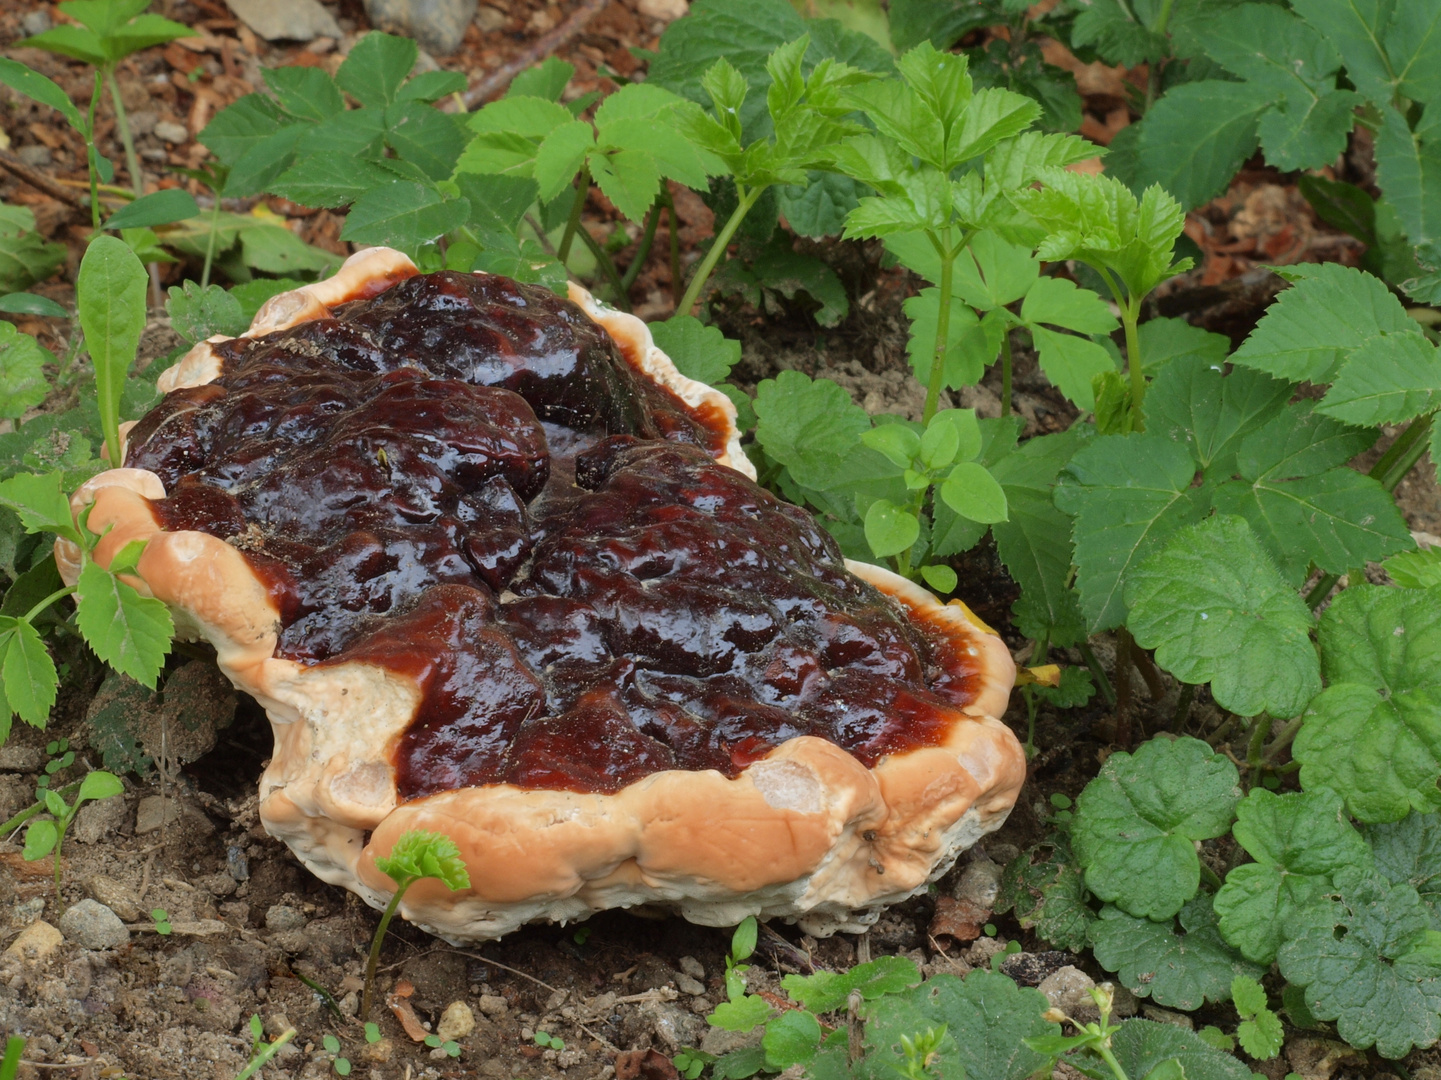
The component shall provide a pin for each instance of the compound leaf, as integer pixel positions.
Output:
(30, 677)
(417, 854)
(128, 631)
(1389, 378)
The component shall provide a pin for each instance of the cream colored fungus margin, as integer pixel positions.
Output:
(808, 834)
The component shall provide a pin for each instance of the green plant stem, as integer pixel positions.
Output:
(1183, 705)
(122, 124)
(1037, 658)
(1006, 361)
(607, 267)
(1129, 319)
(1102, 682)
(10, 1063)
(92, 155)
(271, 1049)
(582, 192)
(1163, 18)
(1210, 876)
(943, 323)
(1110, 1059)
(642, 253)
(210, 242)
(60, 828)
(8, 827)
(375, 944)
(1390, 469)
(56, 595)
(1260, 730)
(1284, 738)
(748, 197)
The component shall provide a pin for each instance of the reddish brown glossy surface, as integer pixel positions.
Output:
(464, 481)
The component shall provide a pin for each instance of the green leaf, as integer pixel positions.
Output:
(971, 491)
(403, 215)
(1416, 569)
(1137, 823)
(1143, 1046)
(1215, 608)
(25, 257)
(701, 352)
(742, 1015)
(416, 855)
(890, 529)
(274, 249)
(306, 93)
(1262, 1036)
(196, 313)
(110, 293)
(1381, 981)
(971, 345)
(497, 203)
(242, 126)
(24, 303)
(1071, 363)
(791, 1038)
(29, 673)
(431, 86)
(1193, 403)
(37, 87)
(98, 785)
(809, 426)
(1357, 30)
(41, 503)
(1164, 340)
(1299, 841)
(1179, 971)
(1409, 852)
(992, 273)
(40, 840)
(827, 991)
(1374, 734)
(1049, 895)
(1196, 137)
(22, 372)
(560, 155)
(1060, 302)
(425, 137)
(819, 207)
(546, 80)
(1127, 494)
(1408, 167)
(158, 208)
(1248, 996)
(1388, 379)
(376, 67)
(1329, 311)
(128, 631)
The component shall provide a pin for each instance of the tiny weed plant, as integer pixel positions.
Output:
(414, 857)
(10, 1063)
(261, 1051)
(160, 918)
(61, 757)
(46, 836)
(452, 1048)
(339, 1063)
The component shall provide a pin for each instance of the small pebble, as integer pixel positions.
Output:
(115, 896)
(456, 1023)
(36, 22)
(691, 966)
(37, 942)
(494, 1005)
(172, 132)
(36, 156)
(27, 911)
(282, 917)
(689, 985)
(92, 925)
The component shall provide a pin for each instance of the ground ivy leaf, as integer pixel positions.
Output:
(1215, 608)
(1374, 734)
(827, 991)
(1192, 402)
(1409, 852)
(1143, 1046)
(22, 372)
(1313, 326)
(1127, 494)
(196, 313)
(1179, 971)
(1137, 822)
(1261, 1036)
(809, 426)
(29, 673)
(128, 631)
(1390, 378)
(1381, 982)
(1299, 840)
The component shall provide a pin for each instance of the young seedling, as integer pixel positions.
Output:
(260, 1050)
(161, 918)
(332, 1047)
(61, 757)
(920, 1052)
(542, 1038)
(691, 1063)
(416, 855)
(372, 1032)
(452, 1048)
(43, 837)
(10, 1063)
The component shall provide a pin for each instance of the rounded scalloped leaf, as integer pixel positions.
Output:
(1215, 608)
(1137, 823)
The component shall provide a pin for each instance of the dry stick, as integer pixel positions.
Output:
(497, 81)
(39, 181)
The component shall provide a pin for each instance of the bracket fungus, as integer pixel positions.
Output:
(496, 569)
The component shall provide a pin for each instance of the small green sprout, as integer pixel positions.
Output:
(920, 1053)
(260, 1050)
(43, 837)
(743, 944)
(545, 1039)
(10, 1063)
(61, 757)
(161, 918)
(581, 936)
(372, 1032)
(415, 856)
(452, 1048)
(691, 1063)
(332, 1047)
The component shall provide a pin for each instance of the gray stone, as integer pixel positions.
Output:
(99, 820)
(687, 984)
(22, 759)
(673, 1026)
(490, 19)
(980, 883)
(153, 811)
(1166, 1016)
(172, 132)
(282, 917)
(92, 925)
(27, 911)
(36, 156)
(36, 22)
(115, 896)
(494, 1005)
(1069, 990)
(286, 20)
(438, 25)
(691, 966)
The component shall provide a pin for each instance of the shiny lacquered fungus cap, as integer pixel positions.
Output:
(496, 569)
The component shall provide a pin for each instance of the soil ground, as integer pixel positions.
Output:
(253, 933)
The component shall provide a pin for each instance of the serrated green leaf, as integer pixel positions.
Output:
(1142, 1047)
(22, 372)
(560, 155)
(1299, 442)
(1179, 971)
(971, 345)
(431, 86)
(403, 215)
(1163, 340)
(1381, 981)
(1374, 734)
(809, 426)
(375, 68)
(196, 313)
(425, 137)
(25, 257)
(1116, 33)
(29, 673)
(1409, 852)
(1416, 569)
(1389, 378)
(128, 631)
(306, 93)
(742, 1015)
(1049, 895)
(1215, 608)
(699, 351)
(416, 855)
(241, 126)
(1071, 363)
(992, 273)
(1329, 311)
(1299, 841)
(1191, 402)
(40, 502)
(1060, 302)
(1248, 996)
(1137, 821)
(274, 249)
(819, 207)
(827, 991)
(1127, 494)
(1261, 1037)
(791, 1038)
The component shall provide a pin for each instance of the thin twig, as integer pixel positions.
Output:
(495, 83)
(38, 180)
